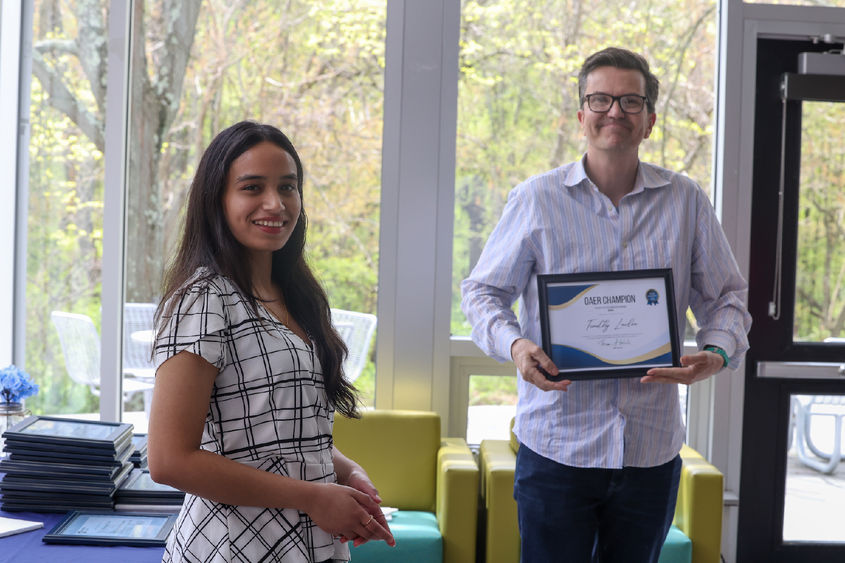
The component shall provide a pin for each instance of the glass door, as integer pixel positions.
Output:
(793, 481)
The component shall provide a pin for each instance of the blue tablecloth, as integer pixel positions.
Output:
(27, 547)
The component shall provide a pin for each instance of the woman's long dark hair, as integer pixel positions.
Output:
(208, 242)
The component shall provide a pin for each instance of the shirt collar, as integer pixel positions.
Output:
(647, 176)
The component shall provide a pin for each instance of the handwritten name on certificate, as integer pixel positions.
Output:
(609, 324)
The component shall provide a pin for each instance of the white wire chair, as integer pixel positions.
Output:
(137, 339)
(805, 410)
(356, 329)
(80, 344)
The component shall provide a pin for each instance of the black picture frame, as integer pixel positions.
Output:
(45, 452)
(93, 436)
(100, 527)
(139, 484)
(602, 311)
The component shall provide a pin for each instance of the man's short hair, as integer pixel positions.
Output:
(619, 58)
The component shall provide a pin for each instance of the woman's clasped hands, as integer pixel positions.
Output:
(350, 514)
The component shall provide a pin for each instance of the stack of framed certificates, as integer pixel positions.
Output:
(61, 464)
(140, 493)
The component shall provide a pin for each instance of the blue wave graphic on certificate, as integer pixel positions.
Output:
(565, 295)
(608, 324)
(574, 358)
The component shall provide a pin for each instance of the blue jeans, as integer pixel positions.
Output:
(577, 515)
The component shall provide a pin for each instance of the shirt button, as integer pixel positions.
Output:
(624, 245)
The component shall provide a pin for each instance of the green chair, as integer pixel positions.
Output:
(695, 536)
(433, 481)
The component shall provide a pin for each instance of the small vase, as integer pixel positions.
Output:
(10, 414)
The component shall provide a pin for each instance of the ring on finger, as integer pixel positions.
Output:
(367, 523)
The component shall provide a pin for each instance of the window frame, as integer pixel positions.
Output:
(14, 64)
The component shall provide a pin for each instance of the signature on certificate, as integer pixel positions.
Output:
(604, 325)
(615, 343)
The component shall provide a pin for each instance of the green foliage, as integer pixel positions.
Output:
(366, 385)
(820, 275)
(318, 76)
(64, 251)
(349, 283)
(492, 390)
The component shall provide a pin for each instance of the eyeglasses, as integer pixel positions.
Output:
(628, 103)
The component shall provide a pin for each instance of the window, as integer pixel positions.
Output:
(518, 99)
(492, 406)
(820, 269)
(313, 69)
(65, 206)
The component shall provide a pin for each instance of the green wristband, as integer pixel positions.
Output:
(720, 351)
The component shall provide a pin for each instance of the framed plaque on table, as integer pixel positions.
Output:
(608, 324)
(112, 528)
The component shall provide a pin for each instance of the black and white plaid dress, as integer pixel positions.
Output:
(268, 410)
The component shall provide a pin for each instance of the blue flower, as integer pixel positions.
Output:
(15, 384)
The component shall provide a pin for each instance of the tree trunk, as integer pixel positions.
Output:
(155, 102)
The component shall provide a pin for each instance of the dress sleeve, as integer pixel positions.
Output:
(196, 323)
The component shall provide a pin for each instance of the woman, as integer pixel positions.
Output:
(250, 373)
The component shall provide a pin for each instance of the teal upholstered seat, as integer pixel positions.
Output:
(418, 540)
(431, 480)
(677, 548)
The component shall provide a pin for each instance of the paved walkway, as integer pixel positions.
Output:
(814, 501)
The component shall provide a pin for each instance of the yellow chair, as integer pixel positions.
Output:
(431, 480)
(698, 513)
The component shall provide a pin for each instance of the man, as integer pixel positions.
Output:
(598, 466)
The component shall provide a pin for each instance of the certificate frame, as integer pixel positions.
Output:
(139, 484)
(600, 325)
(100, 527)
(92, 437)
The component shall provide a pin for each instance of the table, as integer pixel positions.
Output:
(27, 547)
(143, 336)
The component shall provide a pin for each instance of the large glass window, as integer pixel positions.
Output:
(820, 270)
(65, 215)
(314, 69)
(492, 405)
(518, 99)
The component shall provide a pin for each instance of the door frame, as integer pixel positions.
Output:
(742, 25)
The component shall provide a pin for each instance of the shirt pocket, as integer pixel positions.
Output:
(655, 254)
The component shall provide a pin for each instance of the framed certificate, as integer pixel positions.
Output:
(608, 324)
(112, 528)
(84, 437)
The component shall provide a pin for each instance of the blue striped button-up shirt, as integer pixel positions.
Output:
(559, 222)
